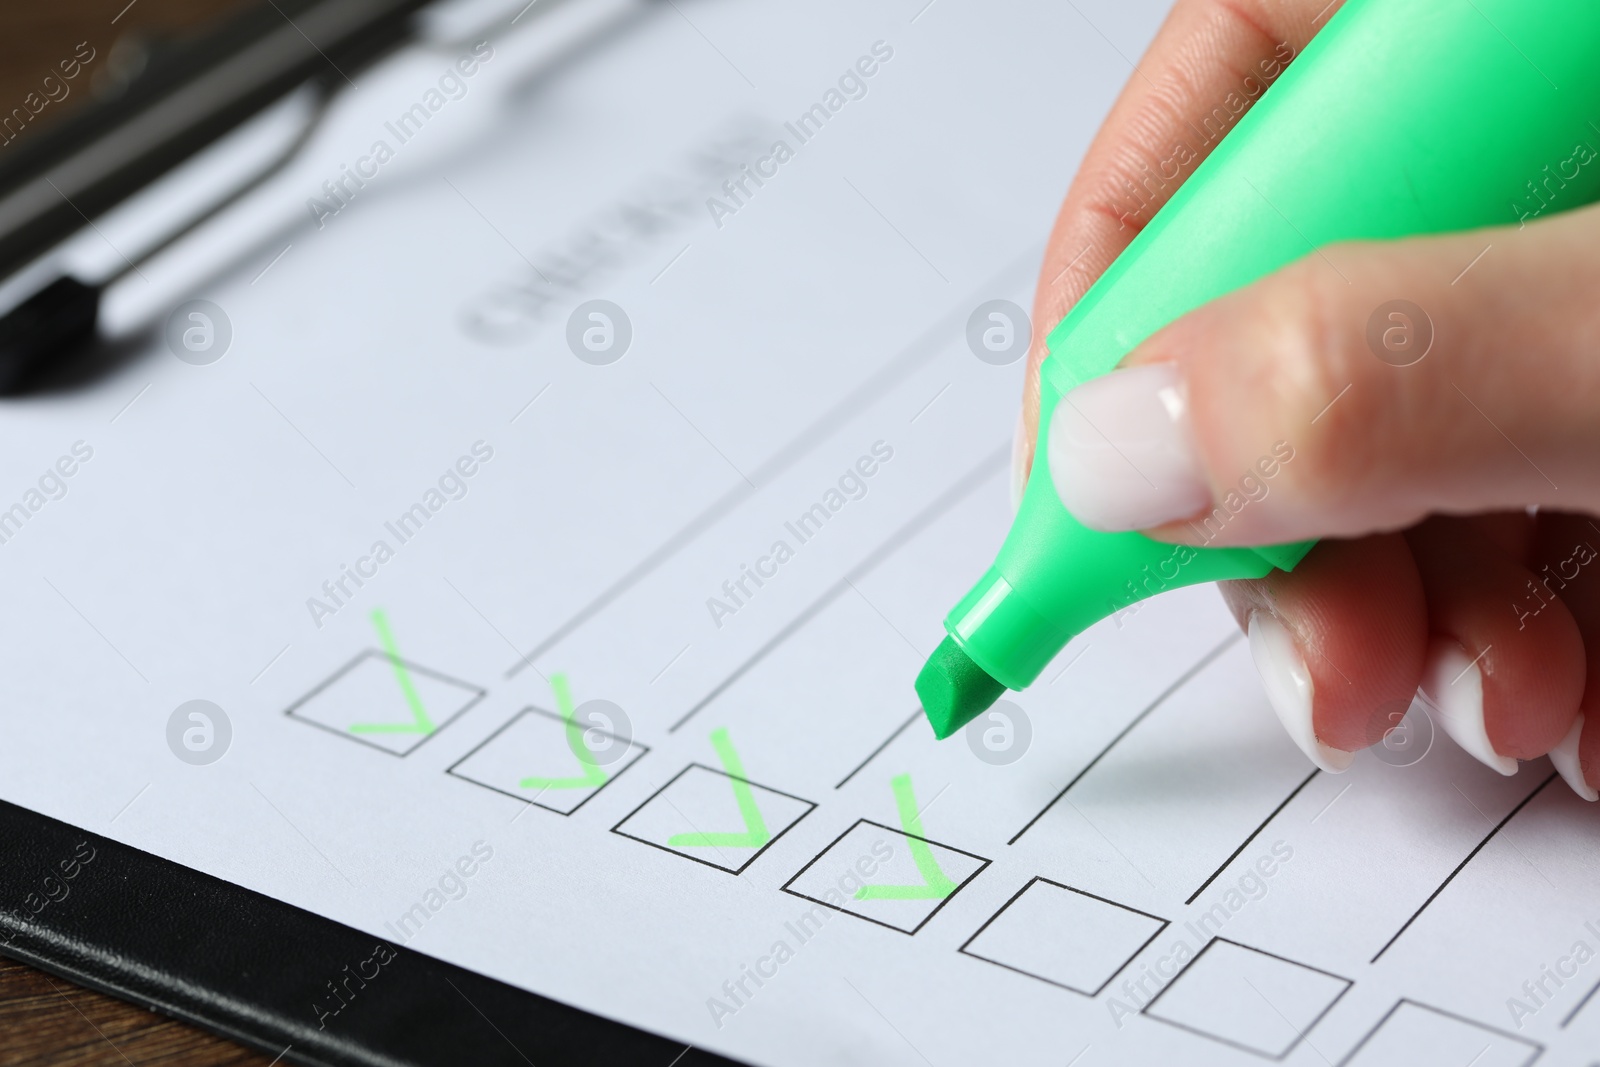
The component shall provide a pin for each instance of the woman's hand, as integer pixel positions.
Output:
(1426, 392)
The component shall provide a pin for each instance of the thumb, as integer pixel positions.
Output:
(1356, 390)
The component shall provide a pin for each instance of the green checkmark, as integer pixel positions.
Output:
(936, 884)
(755, 832)
(593, 775)
(420, 723)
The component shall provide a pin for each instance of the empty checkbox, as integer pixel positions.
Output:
(1415, 1035)
(1246, 998)
(1064, 936)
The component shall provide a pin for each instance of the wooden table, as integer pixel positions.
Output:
(44, 1020)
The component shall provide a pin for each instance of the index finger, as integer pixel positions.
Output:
(1210, 61)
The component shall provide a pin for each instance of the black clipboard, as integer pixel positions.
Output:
(273, 976)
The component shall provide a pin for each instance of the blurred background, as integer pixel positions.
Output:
(36, 37)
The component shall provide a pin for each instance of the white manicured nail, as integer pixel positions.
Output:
(1122, 453)
(1452, 685)
(1288, 684)
(1565, 757)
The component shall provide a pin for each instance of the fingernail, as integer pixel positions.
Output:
(1452, 685)
(1565, 757)
(1288, 684)
(1019, 463)
(1122, 451)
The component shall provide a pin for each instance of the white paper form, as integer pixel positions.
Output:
(708, 805)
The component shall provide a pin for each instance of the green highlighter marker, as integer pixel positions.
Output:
(1401, 117)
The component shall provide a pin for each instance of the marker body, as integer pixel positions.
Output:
(1402, 117)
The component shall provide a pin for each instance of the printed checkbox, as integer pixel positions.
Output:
(552, 762)
(1419, 1036)
(1064, 936)
(386, 702)
(1247, 998)
(713, 817)
(885, 876)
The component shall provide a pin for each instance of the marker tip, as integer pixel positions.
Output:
(953, 689)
